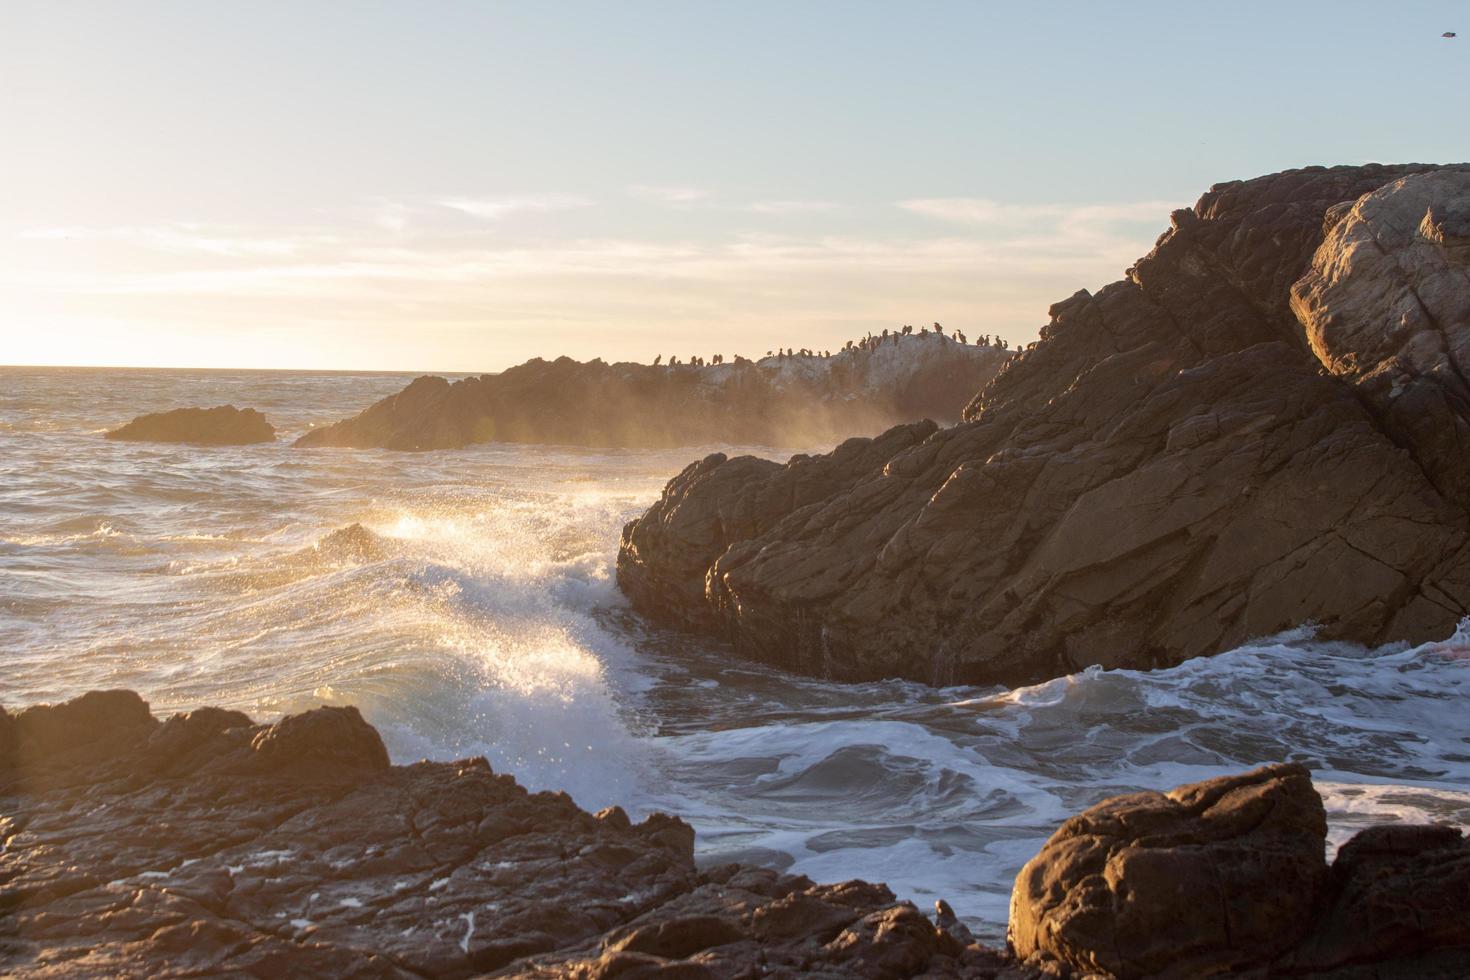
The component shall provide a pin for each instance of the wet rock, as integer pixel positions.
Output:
(798, 401)
(353, 543)
(1259, 427)
(211, 845)
(224, 425)
(56, 730)
(328, 743)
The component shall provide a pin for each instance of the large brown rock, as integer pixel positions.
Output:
(1252, 431)
(223, 425)
(210, 845)
(799, 401)
(1227, 877)
(1204, 880)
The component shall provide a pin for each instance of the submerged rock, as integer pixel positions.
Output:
(1261, 426)
(224, 425)
(791, 401)
(1227, 877)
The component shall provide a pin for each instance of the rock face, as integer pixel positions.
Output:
(224, 425)
(793, 401)
(1262, 426)
(209, 845)
(1227, 876)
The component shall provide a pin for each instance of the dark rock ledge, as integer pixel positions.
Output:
(208, 845)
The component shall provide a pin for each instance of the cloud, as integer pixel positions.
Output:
(791, 207)
(180, 237)
(495, 208)
(981, 211)
(668, 194)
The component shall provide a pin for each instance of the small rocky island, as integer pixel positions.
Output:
(223, 425)
(802, 398)
(1263, 425)
(208, 844)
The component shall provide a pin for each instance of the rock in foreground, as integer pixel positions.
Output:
(208, 845)
(223, 425)
(1262, 426)
(1227, 877)
(787, 401)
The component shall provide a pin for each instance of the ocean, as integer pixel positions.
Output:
(480, 616)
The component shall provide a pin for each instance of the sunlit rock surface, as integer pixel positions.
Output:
(223, 425)
(789, 401)
(1262, 426)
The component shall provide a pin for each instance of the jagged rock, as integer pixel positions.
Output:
(211, 845)
(224, 425)
(1203, 453)
(1227, 876)
(796, 401)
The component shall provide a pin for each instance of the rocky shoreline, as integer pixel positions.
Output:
(790, 400)
(207, 844)
(1261, 426)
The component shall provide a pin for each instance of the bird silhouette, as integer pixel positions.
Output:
(1449, 34)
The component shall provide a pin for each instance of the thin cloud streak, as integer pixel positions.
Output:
(495, 208)
(668, 194)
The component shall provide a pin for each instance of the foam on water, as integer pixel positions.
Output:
(474, 612)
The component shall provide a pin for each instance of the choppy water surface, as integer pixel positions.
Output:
(480, 617)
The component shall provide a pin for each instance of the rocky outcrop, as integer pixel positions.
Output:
(1227, 877)
(223, 425)
(787, 401)
(207, 844)
(210, 845)
(1262, 426)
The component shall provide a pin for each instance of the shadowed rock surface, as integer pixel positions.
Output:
(1227, 877)
(224, 425)
(794, 401)
(210, 845)
(1263, 425)
(206, 844)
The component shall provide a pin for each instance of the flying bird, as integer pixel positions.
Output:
(1448, 34)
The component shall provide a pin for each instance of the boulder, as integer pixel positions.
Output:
(1228, 877)
(796, 401)
(224, 425)
(1256, 429)
(1207, 879)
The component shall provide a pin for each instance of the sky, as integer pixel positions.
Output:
(460, 186)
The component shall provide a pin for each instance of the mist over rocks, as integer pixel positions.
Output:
(223, 425)
(1261, 426)
(777, 401)
(208, 844)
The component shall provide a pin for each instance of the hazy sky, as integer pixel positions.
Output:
(460, 186)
